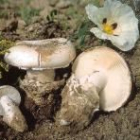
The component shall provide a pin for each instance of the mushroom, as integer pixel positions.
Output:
(9, 102)
(100, 80)
(40, 58)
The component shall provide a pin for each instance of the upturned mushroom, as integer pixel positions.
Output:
(100, 80)
(9, 102)
(40, 58)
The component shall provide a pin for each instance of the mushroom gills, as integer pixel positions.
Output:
(117, 78)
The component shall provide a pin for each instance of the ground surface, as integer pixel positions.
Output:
(35, 20)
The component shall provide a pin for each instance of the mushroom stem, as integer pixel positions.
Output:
(43, 76)
(38, 84)
(12, 115)
(80, 100)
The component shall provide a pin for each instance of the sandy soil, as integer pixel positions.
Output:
(123, 124)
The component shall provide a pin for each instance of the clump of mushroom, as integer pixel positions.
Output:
(40, 58)
(100, 80)
(9, 102)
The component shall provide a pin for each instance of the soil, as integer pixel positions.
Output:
(123, 124)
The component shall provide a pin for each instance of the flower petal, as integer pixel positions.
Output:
(122, 14)
(99, 33)
(125, 41)
(96, 15)
(91, 11)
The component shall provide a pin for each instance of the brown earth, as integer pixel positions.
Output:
(123, 124)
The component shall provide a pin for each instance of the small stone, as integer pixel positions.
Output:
(8, 25)
(45, 12)
(63, 4)
(31, 29)
(39, 4)
(53, 2)
(21, 24)
(2, 24)
(36, 19)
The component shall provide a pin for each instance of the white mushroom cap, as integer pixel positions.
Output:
(107, 70)
(9, 102)
(12, 93)
(41, 54)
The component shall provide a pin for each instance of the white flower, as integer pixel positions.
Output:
(116, 22)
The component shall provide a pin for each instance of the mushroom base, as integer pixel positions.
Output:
(40, 93)
(77, 107)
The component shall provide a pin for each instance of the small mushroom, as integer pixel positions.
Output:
(40, 58)
(9, 102)
(100, 80)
